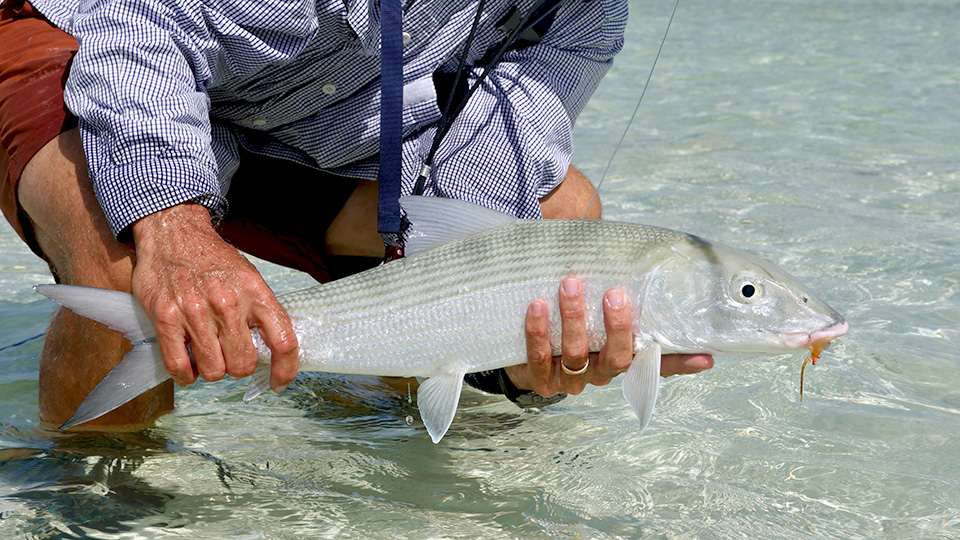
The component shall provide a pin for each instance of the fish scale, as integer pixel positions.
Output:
(464, 297)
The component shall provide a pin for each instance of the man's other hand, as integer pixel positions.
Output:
(543, 372)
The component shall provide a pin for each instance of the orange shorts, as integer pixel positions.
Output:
(33, 69)
(282, 220)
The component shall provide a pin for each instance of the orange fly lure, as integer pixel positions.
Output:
(815, 350)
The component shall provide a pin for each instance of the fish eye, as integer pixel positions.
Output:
(746, 289)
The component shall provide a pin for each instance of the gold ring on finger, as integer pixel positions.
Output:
(580, 371)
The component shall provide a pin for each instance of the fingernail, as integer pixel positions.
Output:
(537, 309)
(698, 363)
(615, 299)
(570, 286)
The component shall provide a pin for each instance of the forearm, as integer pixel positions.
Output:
(137, 85)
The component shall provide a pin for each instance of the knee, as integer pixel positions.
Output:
(574, 198)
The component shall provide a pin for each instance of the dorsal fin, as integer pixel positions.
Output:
(435, 221)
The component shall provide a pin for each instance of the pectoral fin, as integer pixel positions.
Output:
(437, 399)
(641, 382)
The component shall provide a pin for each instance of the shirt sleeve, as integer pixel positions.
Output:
(138, 86)
(512, 143)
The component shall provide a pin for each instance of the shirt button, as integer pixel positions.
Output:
(407, 38)
(259, 122)
(329, 89)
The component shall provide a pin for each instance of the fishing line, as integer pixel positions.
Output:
(643, 92)
(445, 115)
(22, 342)
(446, 122)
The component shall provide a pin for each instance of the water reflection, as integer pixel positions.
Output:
(67, 486)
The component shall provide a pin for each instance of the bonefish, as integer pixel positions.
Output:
(456, 305)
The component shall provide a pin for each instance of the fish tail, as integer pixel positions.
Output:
(140, 369)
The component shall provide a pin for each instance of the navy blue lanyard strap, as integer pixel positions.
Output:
(391, 125)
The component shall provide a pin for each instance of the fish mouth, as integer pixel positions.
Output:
(800, 340)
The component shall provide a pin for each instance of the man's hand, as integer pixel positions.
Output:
(199, 290)
(543, 372)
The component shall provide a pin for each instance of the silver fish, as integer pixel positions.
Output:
(457, 303)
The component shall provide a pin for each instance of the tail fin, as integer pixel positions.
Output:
(140, 370)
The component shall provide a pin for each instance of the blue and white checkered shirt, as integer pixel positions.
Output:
(166, 90)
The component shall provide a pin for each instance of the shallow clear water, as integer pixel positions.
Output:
(824, 137)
